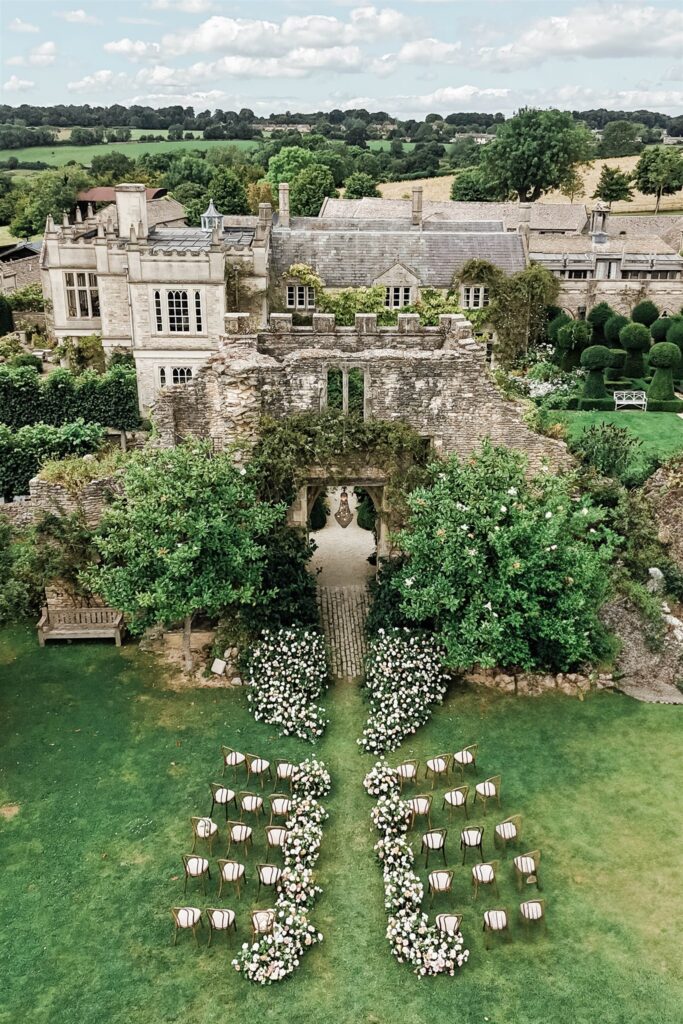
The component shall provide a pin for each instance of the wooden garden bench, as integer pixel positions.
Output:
(635, 398)
(79, 624)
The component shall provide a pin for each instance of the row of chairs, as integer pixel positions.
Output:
(439, 765)
(472, 838)
(229, 871)
(256, 767)
(205, 828)
(496, 921)
(456, 799)
(219, 919)
(525, 872)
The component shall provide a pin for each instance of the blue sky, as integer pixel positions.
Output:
(407, 58)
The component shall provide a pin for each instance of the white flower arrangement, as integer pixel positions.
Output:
(276, 956)
(287, 674)
(404, 680)
(381, 779)
(412, 938)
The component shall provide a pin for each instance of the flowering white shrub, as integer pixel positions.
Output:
(276, 956)
(404, 679)
(287, 674)
(381, 779)
(412, 938)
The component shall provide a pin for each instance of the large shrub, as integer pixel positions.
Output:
(613, 328)
(6, 318)
(664, 357)
(511, 569)
(23, 451)
(635, 339)
(595, 359)
(644, 313)
(617, 359)
(108, 398)
(675, 332)
(612, 451)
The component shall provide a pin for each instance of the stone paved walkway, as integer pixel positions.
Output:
(343, 611)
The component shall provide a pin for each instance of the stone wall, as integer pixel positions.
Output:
(17, 274)
(46, 497)
(531, 684)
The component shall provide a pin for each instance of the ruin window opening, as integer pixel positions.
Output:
(346, 390)
(335, 388)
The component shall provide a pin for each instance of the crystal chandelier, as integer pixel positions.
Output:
(344, 515)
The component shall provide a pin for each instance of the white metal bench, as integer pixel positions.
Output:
(622, 399)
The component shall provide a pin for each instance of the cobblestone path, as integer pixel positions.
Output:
(343, 611)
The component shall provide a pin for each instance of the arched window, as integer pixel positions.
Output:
(178, 312)
(181, 374)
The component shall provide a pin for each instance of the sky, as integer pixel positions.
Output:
(408, 58)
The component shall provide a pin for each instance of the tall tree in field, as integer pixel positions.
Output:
(659, 172)
(573, 186)
(621, 138)
(186, 536)
(614, 186)
(534, 152)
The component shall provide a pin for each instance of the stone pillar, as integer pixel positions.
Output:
(417, 205)
(408, 323)
(283, 202)
(236, 323)
(297, 514)
(366, 323)
(323, 323)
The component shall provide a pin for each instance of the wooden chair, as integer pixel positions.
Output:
(454, 799)
(280, 806)
(407, 771)
(259, 767)
(232, 759)
(532, 911)
(275, 836)
(437, 766)
(526, 868)
(186, 917)
(268, 875)
(466, 758)
(203, 828)
(484, 874)
(495, 921)
(448, 924)
(220, 920)
(432, 841)
(439, 882)
(472, 838)
(240, 834)
(487, 790)
(262, 923)
(420, 807)
(250, 803)
(231, 872)
(283, 772)
(508, 831)
(195, 867)
(221, 796)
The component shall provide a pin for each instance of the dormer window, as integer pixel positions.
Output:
(475, 297)
(395, 297)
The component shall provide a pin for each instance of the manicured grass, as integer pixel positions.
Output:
(106, 766)
(660, 432)
(57, 156)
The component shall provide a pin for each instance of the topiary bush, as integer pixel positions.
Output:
(659, 328)
(635, 339)
(572, 339)
(598, 317)
(665, 357)
(555, 324)
(675, 332)
(645, 313)
(613, 328)
(319, 513)
(615, 369)
(595, 359)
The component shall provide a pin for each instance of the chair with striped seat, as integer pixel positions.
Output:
(526, 868)
(283, 772)
(240, 834)
(448, 924)
(249, 803)
(508, 831)
(532, 911)
(221, 796)
(465, 758)
(268, 875)
(456, 798)
(407, 771)
(259, 767)
(220, 920)
(232, 759)
(262, 923)
(439, 882)
(487, 790)
(472, 838)
(437, 766)
(495, 921)
(203, 828)
(433, 841)
(484, 874)
(195, 867)
(231, 872)
(420, 807)
(275, 836)
(280, 806)
(186, 917)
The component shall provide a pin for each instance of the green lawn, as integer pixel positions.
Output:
(106, 766)
(660, 432)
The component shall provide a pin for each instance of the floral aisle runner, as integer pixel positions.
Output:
(278, 955)
(413, 940)
(287, 674)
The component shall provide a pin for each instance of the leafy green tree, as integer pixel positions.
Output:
(644, 313)
(309, 188)
(358, 185)
(635, 339)
(112, 168)
(595, 359)
(659, 172)
(464, 153)
(572, 339)
(665, 357)
(471, 186)
(285, 165)
(511, 571)
(535, 151)
(573, 185)
(186, 536)
(613, 186)
(50, 192)
(228, 192)
(621, 138)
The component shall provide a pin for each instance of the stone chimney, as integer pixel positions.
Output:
(131, 210)
(598, 221)
(417, 206)
(265, 220)
(283, 202)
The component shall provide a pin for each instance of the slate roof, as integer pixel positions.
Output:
(165, 210)
(107, 194)
(355, 258)
(558, 245)
(195, 239)
(19, 251)
(666, 227)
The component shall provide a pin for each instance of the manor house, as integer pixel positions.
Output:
(146, 282)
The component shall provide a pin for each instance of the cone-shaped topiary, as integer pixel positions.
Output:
(595, 359)
(598, 317)
(615, 370)
(635, 338)
(665, 357)
(612, 328)
(645, 313)
(659, 328)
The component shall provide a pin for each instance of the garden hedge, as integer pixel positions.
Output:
(665, 357)
(109, 398)
(22, 452)
(595, 359)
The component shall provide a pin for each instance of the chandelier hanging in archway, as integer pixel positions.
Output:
(344, 515)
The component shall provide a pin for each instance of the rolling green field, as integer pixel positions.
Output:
(101, 766)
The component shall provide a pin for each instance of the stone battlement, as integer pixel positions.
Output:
(365, 323)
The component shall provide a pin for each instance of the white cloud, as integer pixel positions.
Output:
(134, 49)
(14, 84)
(78, 17)
(674, 73)
(40, 56)
(610, 31)
(17, 25)
(426, 52)
(188, 6)
(104, 79)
